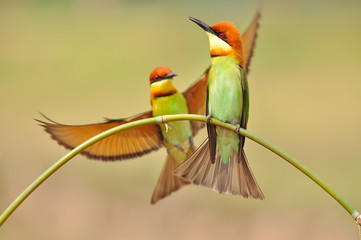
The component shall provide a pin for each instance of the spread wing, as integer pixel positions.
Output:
(249, 40)
(136, 142)
(196, 100)
(127, 144)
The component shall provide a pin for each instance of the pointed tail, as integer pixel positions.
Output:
(234, 177)
(167, 181)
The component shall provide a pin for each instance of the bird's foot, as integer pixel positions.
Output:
(236, 130)
(209, 117)
(166, 124)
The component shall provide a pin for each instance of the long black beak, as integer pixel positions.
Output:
(170, 75)
(203, 25)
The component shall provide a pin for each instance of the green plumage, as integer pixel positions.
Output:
(220, 163)
(228, 101)
(176, 139)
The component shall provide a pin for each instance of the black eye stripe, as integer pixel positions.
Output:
(157, 78)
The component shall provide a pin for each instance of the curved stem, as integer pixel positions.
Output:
(169, 118)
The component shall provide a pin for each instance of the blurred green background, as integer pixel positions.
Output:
(79, 61)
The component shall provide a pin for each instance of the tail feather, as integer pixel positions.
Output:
(234, 177)
(167, 181)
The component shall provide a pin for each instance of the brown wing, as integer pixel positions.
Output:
(127, 144)
(249, 40)
(196, 100)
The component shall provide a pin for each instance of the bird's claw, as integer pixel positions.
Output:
(166, 124)
(209, 117)
(236, 130)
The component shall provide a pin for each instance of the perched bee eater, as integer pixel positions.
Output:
(135, 142)
(220, 162)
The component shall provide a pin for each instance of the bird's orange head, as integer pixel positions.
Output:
(224, 39)
(161, 73)
(161, 82)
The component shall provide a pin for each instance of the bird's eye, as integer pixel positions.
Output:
(222, 35)
(156, 77)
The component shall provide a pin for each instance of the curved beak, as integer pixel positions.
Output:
(170, 75)
(203, 25)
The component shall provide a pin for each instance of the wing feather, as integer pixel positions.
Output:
(196, 100)
(249, 38)
(127, 144)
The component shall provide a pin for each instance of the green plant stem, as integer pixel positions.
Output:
(295, 163)
(169, 118)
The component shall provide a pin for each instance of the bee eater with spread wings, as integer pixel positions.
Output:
(132, 143)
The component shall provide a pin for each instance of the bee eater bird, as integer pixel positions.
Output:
(137, 142)
(165, 99)
(220, 162)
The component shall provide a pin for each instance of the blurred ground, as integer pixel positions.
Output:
(79, 61)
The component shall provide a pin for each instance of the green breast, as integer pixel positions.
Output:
(225, 99)
(179, 131)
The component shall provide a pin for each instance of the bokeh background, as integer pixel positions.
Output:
(79, 61)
